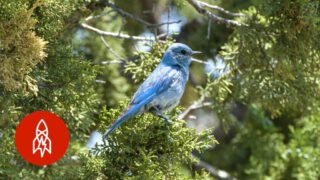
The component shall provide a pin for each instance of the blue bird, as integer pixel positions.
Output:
(164, 87)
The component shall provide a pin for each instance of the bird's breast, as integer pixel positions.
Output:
(171, 97)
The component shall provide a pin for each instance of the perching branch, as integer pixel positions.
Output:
(200, 7)
(118, 35)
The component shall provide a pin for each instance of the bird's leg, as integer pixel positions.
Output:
(157, 112)
(165, 118)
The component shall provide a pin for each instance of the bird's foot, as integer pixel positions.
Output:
(158, 113)
(165, 118)
(167, 121)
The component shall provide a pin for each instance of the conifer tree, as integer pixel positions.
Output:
(83, 61)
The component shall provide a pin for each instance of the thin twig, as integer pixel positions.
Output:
(97, 16)
(195, 105)
(100, 81)
(199, 61)
(217, 173)
(168, 17)
(209, 29)
(111, 62)
(214, 7)
(200, 8)
(136, 18)
(116, 35)
(110, 49)
(123, 22)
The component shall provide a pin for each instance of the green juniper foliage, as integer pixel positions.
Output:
(133, 152)
(275, 72)
(276, 56)
(21, 48)
(158, 154)
(90, 46)
(48, 62)
(64, 84)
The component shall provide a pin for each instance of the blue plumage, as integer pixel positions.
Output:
(164, 87)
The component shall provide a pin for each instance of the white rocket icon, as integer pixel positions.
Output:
(42, 141)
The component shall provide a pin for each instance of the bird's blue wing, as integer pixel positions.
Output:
(158, 81)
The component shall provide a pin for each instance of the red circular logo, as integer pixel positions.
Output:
(42, 138)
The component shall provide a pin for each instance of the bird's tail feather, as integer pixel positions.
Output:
(132, 111)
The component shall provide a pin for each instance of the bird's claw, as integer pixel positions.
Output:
(168, 121)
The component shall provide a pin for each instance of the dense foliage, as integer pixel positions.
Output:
(266, 95)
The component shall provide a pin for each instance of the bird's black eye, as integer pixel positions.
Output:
(184, 52)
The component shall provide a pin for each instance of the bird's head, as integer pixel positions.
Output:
(179, 54)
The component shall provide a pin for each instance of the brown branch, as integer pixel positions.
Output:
(110, 49)
(199, 61)
(100, 81)
(117, 35)
(111, 62)
(195, 105)
(214, 7)
(217, 173)
(91, 17)
(136, 18)
(198, 5)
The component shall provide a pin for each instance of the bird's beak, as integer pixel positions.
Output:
(196, 52)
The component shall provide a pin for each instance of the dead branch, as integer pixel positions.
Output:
(199, 6)
(217, 173)
(195, 105)
(110, 49)
(217, 8)
(111, 62)
(136, 18)
(118, 35)
(199, 61)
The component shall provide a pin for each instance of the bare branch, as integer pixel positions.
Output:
(217, 173)
(168, 16)
(200, 8)
(195, 105)
(111, 62)
(165, 23)
(100, 81)
(136, 18)
(117, 35)
(110, 49)
(214, 7)
(89, 18)
(199, 61)
(209, 29)
(123, 22)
